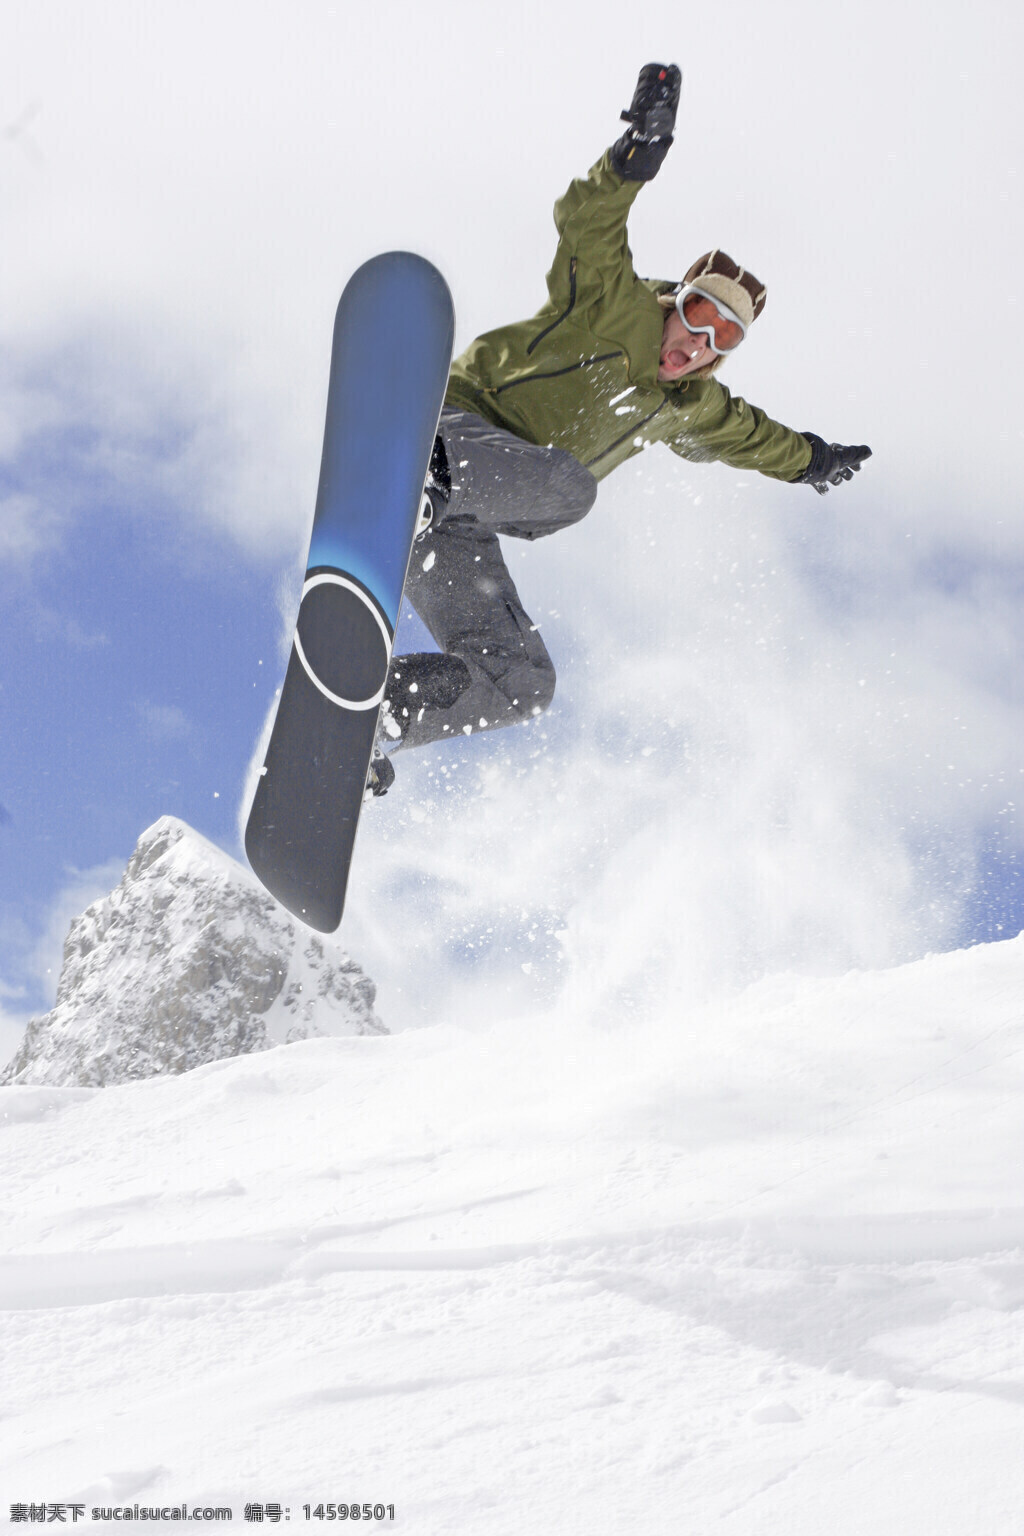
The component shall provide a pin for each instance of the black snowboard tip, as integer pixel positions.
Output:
(320, 909)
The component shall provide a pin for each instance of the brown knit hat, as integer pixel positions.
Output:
(725, 279)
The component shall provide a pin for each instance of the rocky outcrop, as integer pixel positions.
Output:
(189, 960)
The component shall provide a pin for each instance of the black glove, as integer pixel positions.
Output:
(637, 156)
(831, 463)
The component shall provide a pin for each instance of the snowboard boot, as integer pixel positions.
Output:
(381, 775)
(437, 489)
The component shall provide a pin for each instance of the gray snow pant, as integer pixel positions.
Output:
(494, 669)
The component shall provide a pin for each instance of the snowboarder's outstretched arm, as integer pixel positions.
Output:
(728, 430)
(731, 431)
(593, 252)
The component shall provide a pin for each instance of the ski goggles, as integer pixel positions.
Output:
(707, 316)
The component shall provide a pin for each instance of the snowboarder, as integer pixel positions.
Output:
(538, 412)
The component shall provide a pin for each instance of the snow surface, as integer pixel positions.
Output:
(754, 1268)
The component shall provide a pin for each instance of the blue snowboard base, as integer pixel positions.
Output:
(392, 350)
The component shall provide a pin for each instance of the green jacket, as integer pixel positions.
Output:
(583, 373)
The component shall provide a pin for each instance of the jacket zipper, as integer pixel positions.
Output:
(565, 313)
(619, 440)
(532, 378)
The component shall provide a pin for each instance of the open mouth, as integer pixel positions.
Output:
(674, 358)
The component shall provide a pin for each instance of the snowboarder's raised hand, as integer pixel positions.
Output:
(831, 463)
(637, 156)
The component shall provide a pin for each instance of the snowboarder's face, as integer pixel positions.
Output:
(682, 351)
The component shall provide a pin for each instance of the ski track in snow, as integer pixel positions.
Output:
(757, 1269)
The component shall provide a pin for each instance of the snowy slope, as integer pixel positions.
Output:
(188, 961)
(755, 1269)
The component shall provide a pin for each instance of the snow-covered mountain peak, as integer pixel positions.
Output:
(172, 840)
(188, 960)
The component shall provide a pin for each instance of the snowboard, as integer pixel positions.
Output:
(392, 349)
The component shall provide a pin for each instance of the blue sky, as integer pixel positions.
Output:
(134, 674)
(829, 691)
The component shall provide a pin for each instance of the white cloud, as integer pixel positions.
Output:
(739, 776)
(212, 179)
(164, 722)
(26, 527)
(97, 417)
